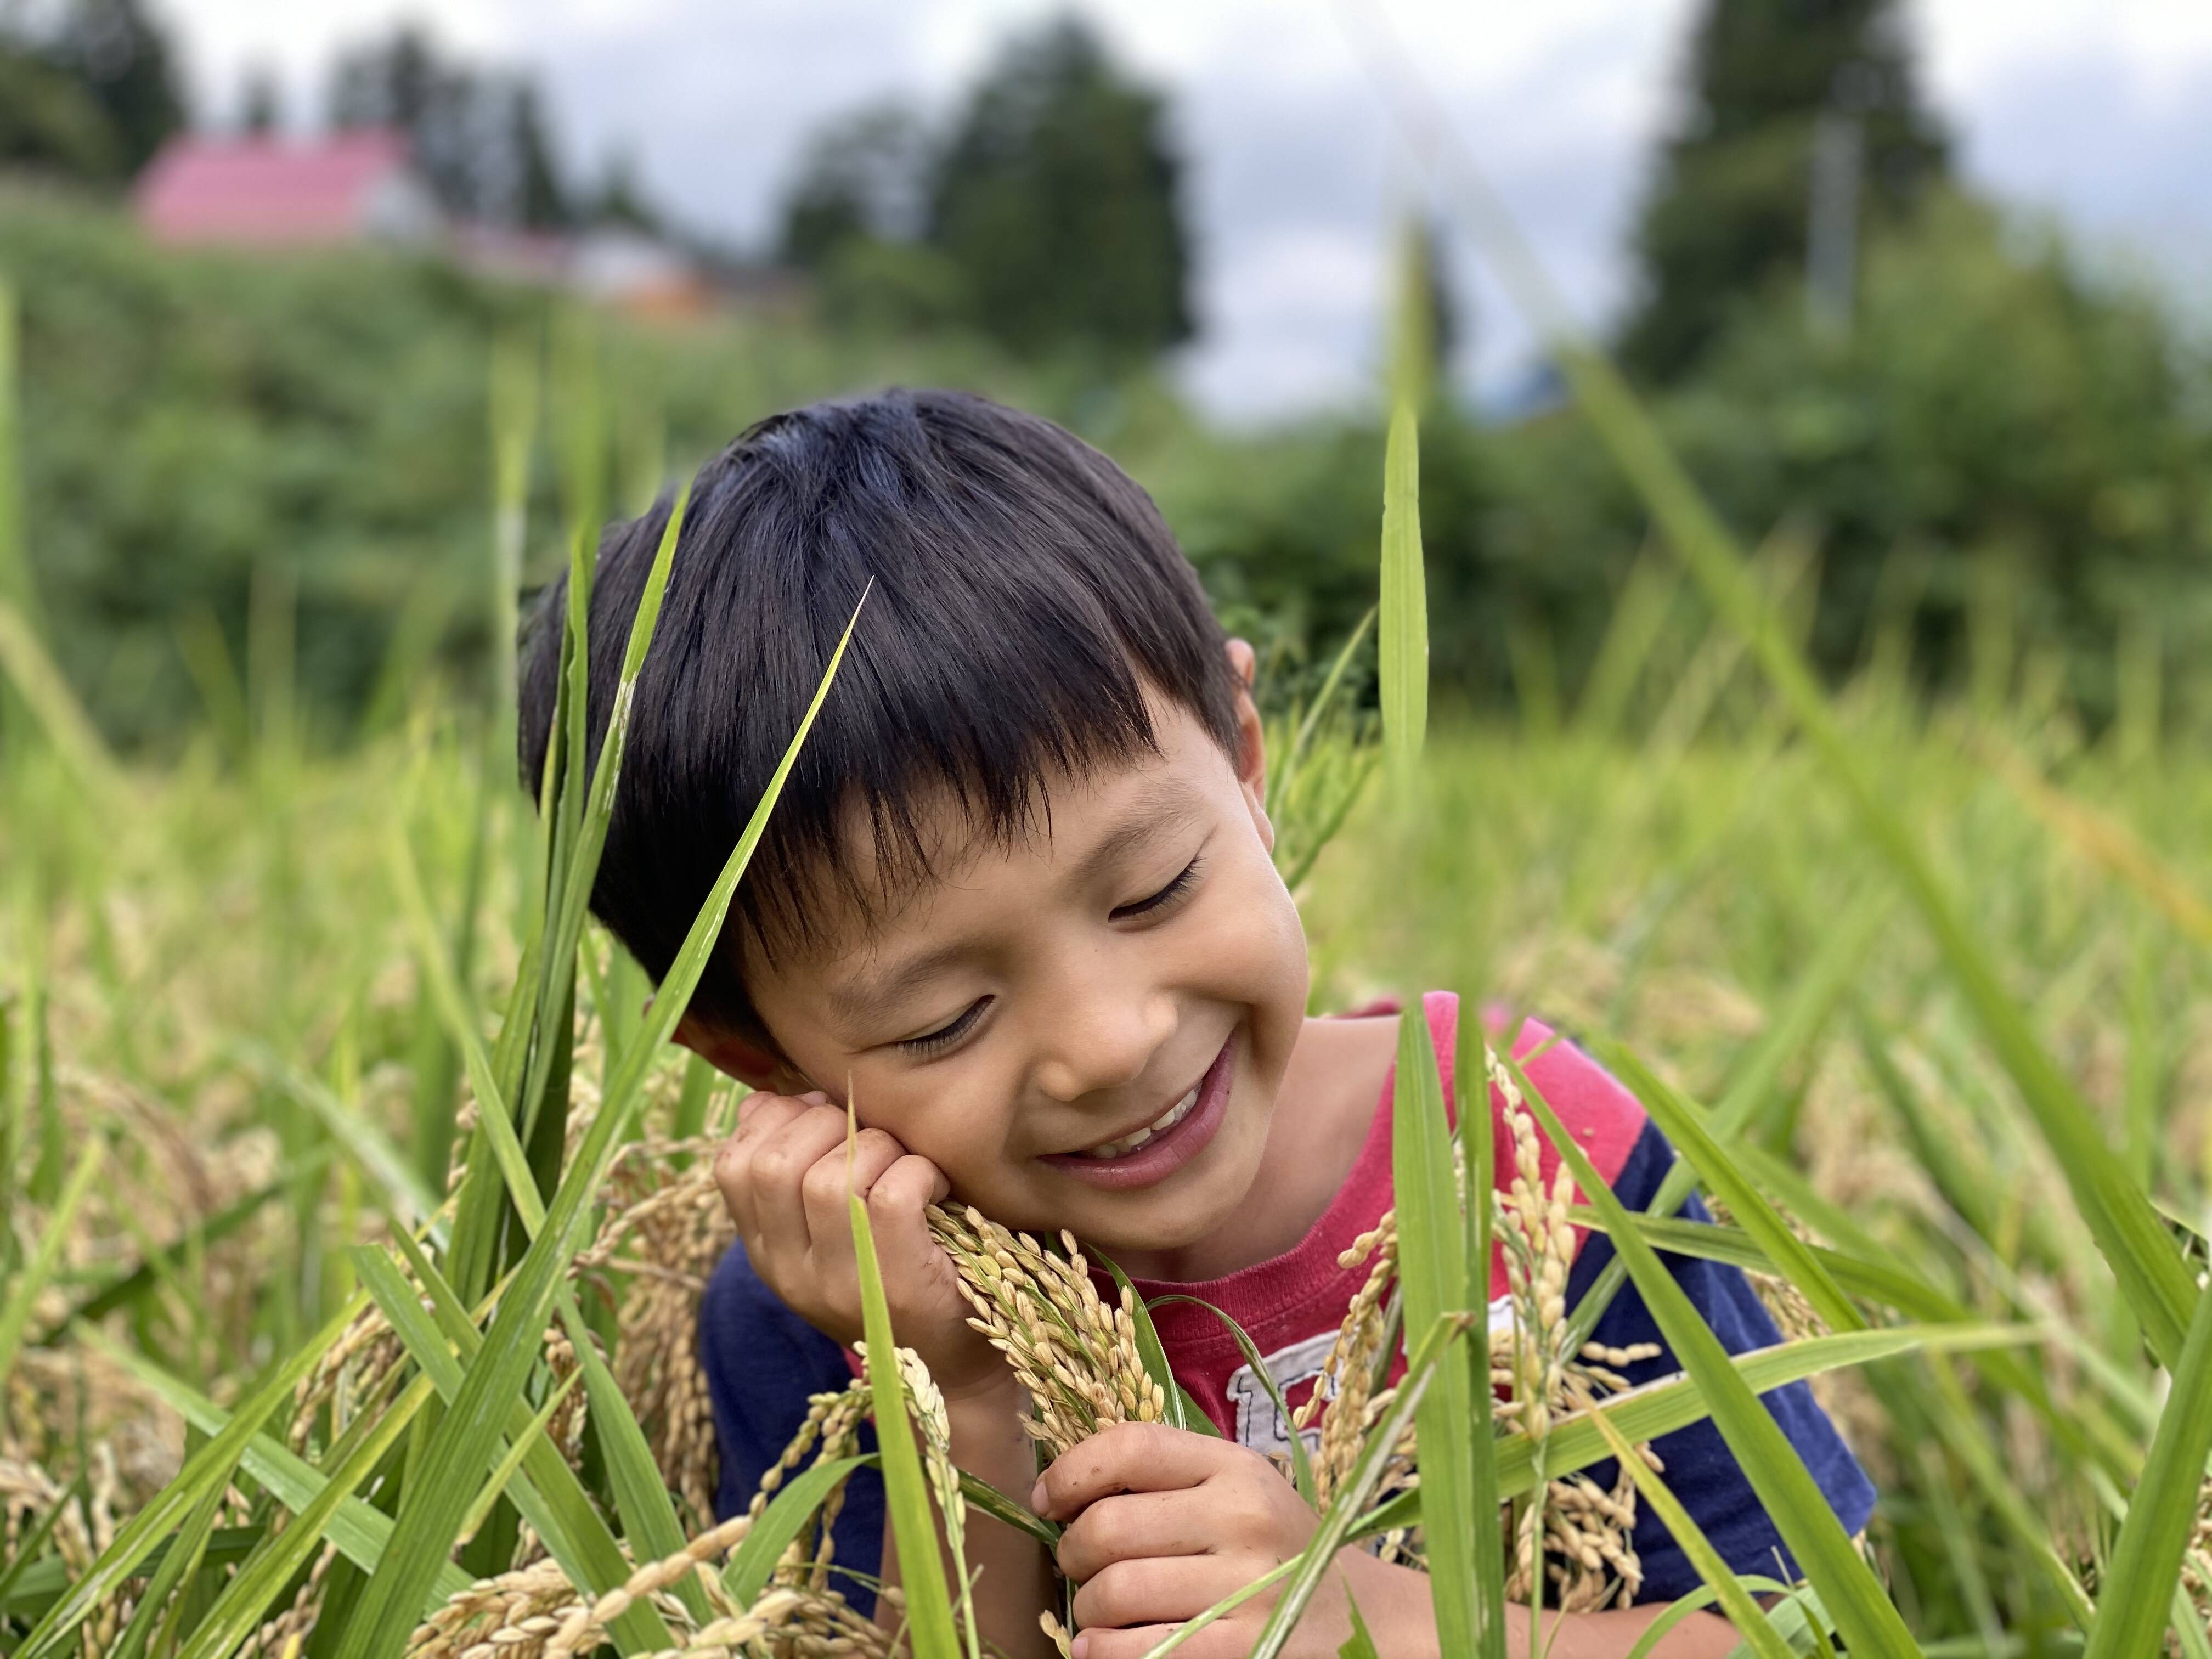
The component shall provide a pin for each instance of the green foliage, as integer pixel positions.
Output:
(1047, 216)
(1728, 210)
(1057, 197)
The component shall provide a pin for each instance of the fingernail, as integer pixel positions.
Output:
(1081, 1645)
(1037, 1496)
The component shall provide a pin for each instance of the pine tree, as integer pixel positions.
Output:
(1057, 199)
(1727, 211)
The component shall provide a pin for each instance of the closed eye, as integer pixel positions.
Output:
(1167, 896)
(944, 1036)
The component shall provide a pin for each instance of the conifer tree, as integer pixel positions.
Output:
(1727, 211)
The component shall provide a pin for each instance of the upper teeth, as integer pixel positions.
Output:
(1160, 1125)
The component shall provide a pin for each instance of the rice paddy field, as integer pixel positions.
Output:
(355, 1214)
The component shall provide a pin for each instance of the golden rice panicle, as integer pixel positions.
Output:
(1074, 1353)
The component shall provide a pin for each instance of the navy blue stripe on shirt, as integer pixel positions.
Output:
(1699, 1468)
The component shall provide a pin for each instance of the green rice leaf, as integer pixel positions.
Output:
(1794, 1501)
(1319, 1555)
(1434, 1279)
(1360, 1645)
(1791, 1257)
(519, 1446)
(1734, 1599)
(1476, 1134)
(548, 1496)
(906, 1492)
(2146, 1561)
(210, 1466)
(359, 1530)
(746, 1573)
(1402, 641)
(245, 1602)
(1661, 1407)
(982, 1495)
(16, 1311)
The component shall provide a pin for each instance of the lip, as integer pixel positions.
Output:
(1167, 1151)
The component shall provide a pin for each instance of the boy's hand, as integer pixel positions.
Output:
(1161, 1523)
(784, 1176)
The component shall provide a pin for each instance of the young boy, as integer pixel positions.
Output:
(1017, 905)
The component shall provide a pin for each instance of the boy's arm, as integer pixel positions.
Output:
(1012, 1574)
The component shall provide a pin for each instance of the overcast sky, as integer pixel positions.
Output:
(2099, 111)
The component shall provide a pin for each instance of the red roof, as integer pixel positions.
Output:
(266, 190)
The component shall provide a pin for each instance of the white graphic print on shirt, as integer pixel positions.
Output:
(1260, 1425)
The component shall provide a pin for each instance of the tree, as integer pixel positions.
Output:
(479, 136)
(1057, 198)
(620, 198)
(1727, 211)
(47, 119)
(124, 62)
(861, 176)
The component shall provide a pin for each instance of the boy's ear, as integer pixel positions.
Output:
(751, 1062)
(1251, 740)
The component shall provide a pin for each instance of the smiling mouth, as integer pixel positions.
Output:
(1159, 1126)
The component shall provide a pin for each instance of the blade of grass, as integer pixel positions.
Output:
(906, 1490)
(520, 1446)
(359, 1530)
(1735, 1602)
(1433, 1275)
(1791, 1256)
(746, 1573)
(239, 1610)
(1795, 1502)
(211, 1465)
(1476, 1134)
(1360, 1645)
(1402, 634)
(1333, 1533)
(39, 684)
(2146, 1561)
(1661, 1407)
(548, 1496)
(15, 1312)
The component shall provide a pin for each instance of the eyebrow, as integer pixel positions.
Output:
(1164, 806)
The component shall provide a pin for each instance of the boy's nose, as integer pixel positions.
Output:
(1107, 1043)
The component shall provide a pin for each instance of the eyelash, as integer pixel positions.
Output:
(944, 1036)
(1167, 895)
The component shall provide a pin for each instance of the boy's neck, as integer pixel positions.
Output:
(1323, 1112)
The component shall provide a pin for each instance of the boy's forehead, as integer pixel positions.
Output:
(1078, 822)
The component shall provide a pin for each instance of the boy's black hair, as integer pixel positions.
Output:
(1025, 592)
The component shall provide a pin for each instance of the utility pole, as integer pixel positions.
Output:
(1831, 239)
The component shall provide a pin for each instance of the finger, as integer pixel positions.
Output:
(1163, 1591)
(759, 1116)
(899, 1198)
(1132, 1525)
(1127, 1457)
(778, 1170)
(1220, 1641)
(734, 1158)
(825, 1188)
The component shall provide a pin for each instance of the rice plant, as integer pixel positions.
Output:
(338, 1319)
